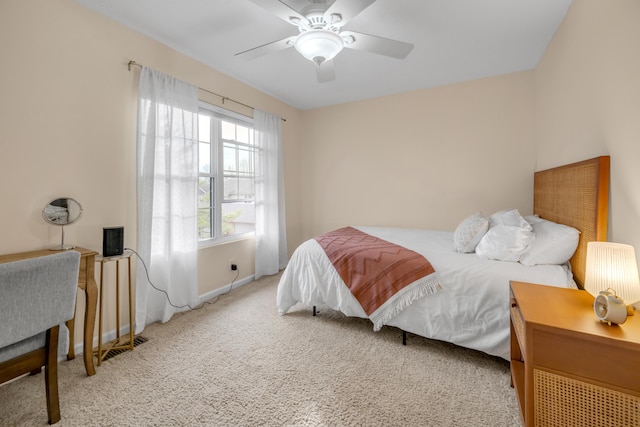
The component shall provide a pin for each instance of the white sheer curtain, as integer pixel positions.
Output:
(167, 179)
(271, 239)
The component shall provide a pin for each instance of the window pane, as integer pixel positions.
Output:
(238, 218)
(242, 134)
(228, 130)
(205, 224)
(204, 128)
(245, 188)
(206, 210)
(244, 161)
(230, 188)
(204, 192)
(204, 158)
(229, 157)
(238, 188)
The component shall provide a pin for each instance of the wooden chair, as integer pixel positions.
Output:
(37, 296)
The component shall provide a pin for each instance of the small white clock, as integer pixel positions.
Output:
(610, 308)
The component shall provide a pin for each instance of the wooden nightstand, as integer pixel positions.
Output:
(568, 368)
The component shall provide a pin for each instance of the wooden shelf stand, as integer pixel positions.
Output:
(125, 342)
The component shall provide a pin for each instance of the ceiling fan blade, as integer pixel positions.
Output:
(281, 10)
(325, 71)
(259, 51)
(347, 10)
(375, 44)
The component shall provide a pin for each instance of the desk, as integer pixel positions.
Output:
(86, 282)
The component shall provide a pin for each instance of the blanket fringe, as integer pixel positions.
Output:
(426, 286)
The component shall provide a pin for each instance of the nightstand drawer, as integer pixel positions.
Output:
(602, 361)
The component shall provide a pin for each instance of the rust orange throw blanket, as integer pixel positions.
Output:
(384, 277)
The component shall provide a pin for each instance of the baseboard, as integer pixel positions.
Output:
(225, 289)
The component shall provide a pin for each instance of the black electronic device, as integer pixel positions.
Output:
(112, 241)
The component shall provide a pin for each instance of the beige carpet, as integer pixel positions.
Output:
(238, 363)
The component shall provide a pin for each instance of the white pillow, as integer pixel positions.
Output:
(532, 219)
(469, 232)
(508, 217)
(553, 243)
(509, 236)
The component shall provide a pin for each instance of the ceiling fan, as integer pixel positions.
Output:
(320, 37)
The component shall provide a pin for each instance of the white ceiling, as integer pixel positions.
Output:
(455, 40)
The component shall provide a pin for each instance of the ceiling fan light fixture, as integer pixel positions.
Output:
(319, 45)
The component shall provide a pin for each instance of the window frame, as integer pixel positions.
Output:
(217, 170)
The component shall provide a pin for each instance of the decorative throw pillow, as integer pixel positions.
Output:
(553, 243)
(469, 232)
(509, 236)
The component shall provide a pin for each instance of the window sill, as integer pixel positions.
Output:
(224, 240)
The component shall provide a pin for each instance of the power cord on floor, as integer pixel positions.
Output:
(198, 307)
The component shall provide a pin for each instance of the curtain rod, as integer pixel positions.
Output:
(222, 97)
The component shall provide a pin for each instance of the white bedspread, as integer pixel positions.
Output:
(472, 309)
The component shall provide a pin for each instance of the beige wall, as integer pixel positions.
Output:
(68, 122)
(424, 159)
(588, 102)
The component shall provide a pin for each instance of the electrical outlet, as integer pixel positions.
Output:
(233, 266)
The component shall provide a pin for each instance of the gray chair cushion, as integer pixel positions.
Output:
(35, 342)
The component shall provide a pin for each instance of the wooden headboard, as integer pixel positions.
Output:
(576, 195)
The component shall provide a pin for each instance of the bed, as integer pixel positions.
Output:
(470, 307)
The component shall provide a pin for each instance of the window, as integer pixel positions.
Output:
(226, 166)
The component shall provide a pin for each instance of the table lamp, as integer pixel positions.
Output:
(612, 278)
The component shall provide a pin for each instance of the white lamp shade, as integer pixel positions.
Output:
(319, 45)
(612, 265)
